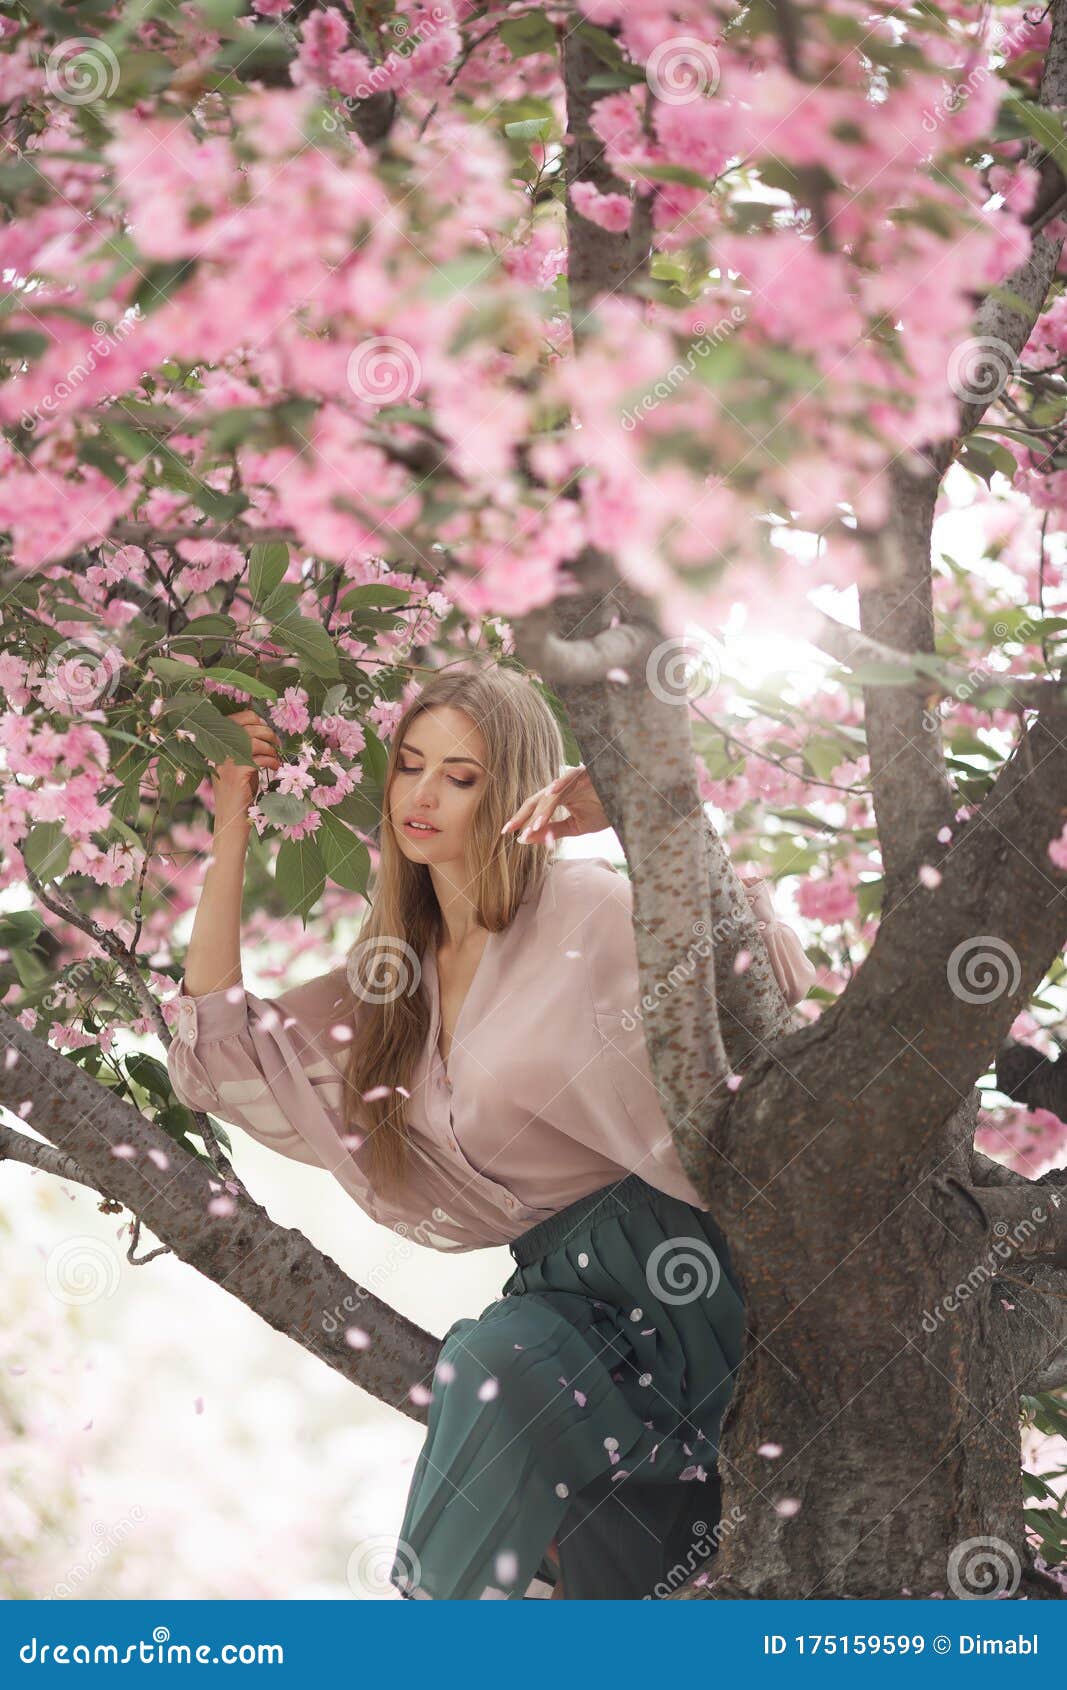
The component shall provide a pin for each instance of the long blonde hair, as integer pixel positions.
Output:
(390, 1016)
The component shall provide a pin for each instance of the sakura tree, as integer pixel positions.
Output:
(342, 341)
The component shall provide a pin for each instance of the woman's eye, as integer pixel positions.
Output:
(402, 769)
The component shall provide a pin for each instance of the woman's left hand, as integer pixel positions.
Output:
(572, 788)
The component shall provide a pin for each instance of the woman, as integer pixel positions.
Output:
(477, 1072)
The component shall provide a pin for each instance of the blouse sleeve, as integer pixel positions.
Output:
(270, 1065)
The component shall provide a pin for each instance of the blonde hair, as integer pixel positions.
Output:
(524, 750)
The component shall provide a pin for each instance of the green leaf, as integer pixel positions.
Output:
(23, 343)
(869, 895)
(160, 281)
(20, 927)
(46, 850)
(284, 809)
(375, 593)
(604, 45)
(362, 807)
(346, 858)
(528, 128)
(374, 757)
(823, 756)
(267, 564)
(532, 33)
(310, 641)
(682, 173)
(300, 875)
(215, 736)
(150, 1074)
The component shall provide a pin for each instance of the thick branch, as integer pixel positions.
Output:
(16, 1147)
(1034, 1330)
(929, 677)
(275, 1271)
(912, 794)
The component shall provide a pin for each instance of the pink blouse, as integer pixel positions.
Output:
(548, 1093)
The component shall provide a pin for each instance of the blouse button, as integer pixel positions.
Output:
(187, 1020)
(510, 1201)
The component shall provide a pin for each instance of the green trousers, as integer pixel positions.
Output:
(584, 1405)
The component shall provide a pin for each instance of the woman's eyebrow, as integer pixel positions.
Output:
(406, 745)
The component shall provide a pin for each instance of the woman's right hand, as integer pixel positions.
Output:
(236, 785)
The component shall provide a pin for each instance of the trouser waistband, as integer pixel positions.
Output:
(615, 1199)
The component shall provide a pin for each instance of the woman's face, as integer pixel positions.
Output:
(439, 779)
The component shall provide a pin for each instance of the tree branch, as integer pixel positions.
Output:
(275, 1271)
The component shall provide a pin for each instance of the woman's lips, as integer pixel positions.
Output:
(427, 832)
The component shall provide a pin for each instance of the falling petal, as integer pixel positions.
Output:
(787, 1506)
(221, 1206)
(580, 1398)
(617, 675)
(374, 1093)
(198, 1404)
(488, 1389)
(742, 962)
(506, 1566)
(693, 1473)
(357, 1337)
(446, 1372)
(419, 1394)
(159, 1157)
(769, 1450)
(123, 1150)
